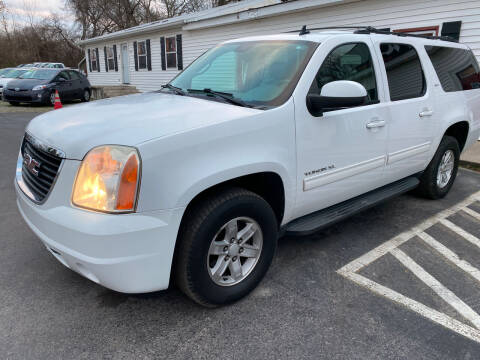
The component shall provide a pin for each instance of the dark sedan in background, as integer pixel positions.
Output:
(38, 86)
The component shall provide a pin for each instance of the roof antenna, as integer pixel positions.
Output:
(304, 30)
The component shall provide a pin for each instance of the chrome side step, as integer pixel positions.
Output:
(318, 220)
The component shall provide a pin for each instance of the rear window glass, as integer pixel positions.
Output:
(404, 71)
(457, 69)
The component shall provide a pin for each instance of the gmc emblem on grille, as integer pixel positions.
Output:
(31, 164)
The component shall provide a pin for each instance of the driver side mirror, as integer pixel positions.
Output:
(61, 80)
(336, 95)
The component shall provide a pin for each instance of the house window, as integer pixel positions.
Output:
(94, 60)
(142, 54)
(110, 58)
(171, 51)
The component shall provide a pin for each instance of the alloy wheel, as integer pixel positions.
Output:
(234, 251)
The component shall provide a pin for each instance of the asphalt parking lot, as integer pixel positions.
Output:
(372, 287)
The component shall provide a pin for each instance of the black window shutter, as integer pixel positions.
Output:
(135, 55)
(106, 61)
(149, 56)
(162, 48)
(179, 52)
(452, 29)
(89, 61)
(98, 60)
(115, 57)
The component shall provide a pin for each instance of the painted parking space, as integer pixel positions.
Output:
(467, 321)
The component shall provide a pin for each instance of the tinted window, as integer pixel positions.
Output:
(404, 71)
(456, 68)
(348, 62)
(63, 75)
(74, 75)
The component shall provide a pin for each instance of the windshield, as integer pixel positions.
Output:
(39, 74)
(13, 74)
(256, 72)
(4, 71)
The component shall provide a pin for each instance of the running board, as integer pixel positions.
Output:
(311, 223)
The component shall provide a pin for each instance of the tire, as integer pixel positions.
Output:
(85, 96)
(429, 181)
(52, 98)
(194, 262)
(14, 103)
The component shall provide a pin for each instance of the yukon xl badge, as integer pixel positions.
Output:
(31, 164)
(318, 171)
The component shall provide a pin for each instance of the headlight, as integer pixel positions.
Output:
(108, 179)
(39, 87)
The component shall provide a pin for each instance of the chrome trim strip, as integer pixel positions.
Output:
(44, 147)
(408, 152)
(318, 180)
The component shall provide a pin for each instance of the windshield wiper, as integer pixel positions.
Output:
(177, 90)
(226, 96)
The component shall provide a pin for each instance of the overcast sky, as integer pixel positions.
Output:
(38, 8)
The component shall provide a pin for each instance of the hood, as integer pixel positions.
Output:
(5, 81)
(128, 120)
(26, 84)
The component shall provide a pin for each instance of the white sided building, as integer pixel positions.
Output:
(150, 55)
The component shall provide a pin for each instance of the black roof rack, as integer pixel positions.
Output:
(372, 30)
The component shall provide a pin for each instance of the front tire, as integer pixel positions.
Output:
(437, 179)
(226, 245)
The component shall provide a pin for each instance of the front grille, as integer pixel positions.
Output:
(40, 175)
(18, 98)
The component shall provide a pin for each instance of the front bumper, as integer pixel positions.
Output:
(130, 253)
(29, 96)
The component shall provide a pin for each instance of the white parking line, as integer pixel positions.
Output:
(463, 309)
(350, 271)
(465, 234)
(472, 213)
(451, 256)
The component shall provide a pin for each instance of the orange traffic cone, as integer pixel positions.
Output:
(58, 104)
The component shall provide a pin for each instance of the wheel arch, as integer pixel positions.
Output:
(459, 131)
(267, 184)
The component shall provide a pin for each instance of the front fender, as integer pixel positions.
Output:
(177, 168)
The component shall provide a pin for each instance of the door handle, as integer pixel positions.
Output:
(426, 113)
(375, 124)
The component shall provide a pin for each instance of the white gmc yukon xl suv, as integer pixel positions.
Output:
(258, 138)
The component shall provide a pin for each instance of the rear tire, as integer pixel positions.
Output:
(214, 264)
(85, 96)
(437, 179)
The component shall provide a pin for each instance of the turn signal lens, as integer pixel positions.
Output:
(108, 179)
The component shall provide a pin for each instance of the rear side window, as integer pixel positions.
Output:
(64, 75)
(404, 71)
(74, 75)
(352, 62)
(457, 69)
